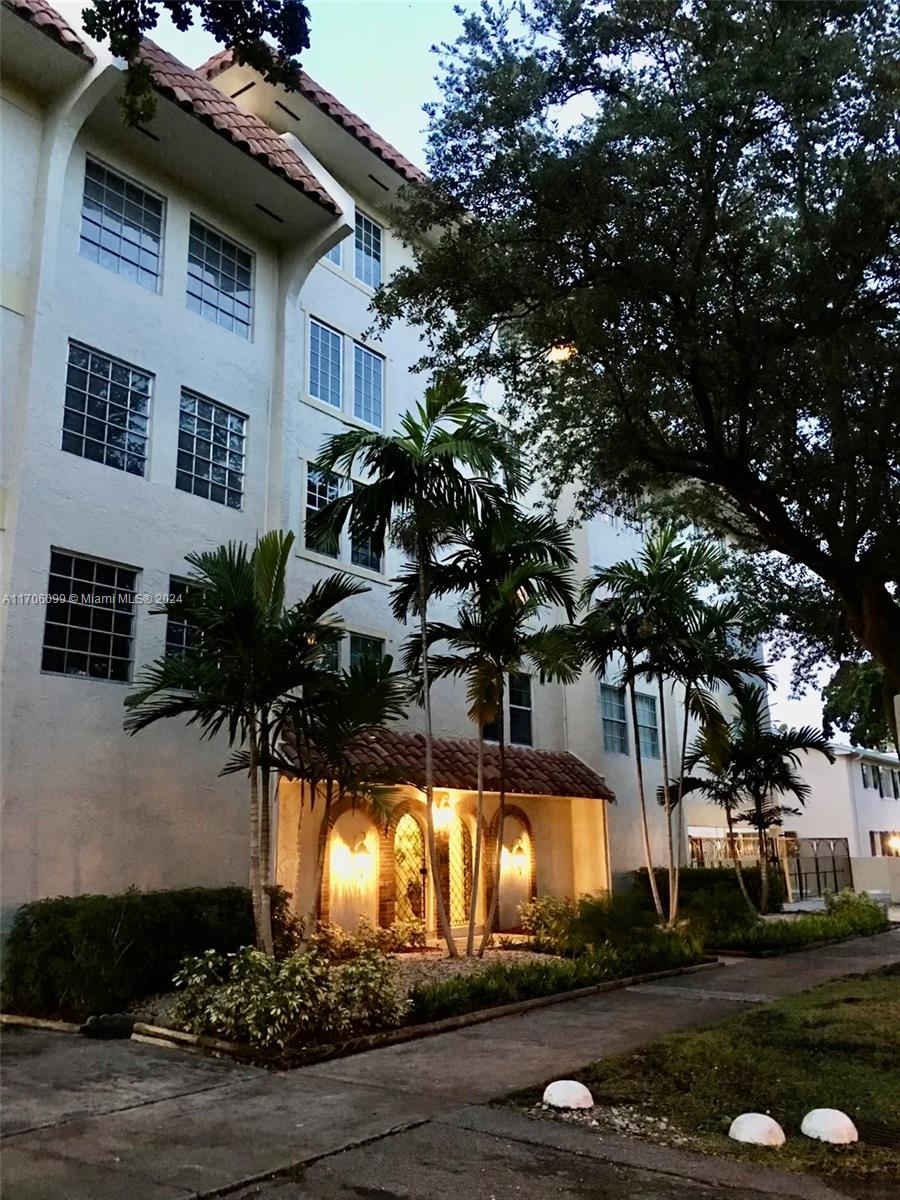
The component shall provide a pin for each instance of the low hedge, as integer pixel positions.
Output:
(505, 983)
(73, 956)
(848, 914)
(695, 884)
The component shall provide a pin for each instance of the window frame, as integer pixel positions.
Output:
(237, 248)
(363, 637)
(73, 413)
(68, 582)
(608, 690)
(129, 181)
(518, 676)
(341, 340)
(655, 753)
(359, 219)
(362, 352)
(199, 398)
(177, 583)
(347, 546)
(309, 472)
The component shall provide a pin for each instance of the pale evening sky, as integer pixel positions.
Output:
(376, 57)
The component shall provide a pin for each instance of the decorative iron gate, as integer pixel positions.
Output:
(813, 866)
(409, 870)
(454, 846)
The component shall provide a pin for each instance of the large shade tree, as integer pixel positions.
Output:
(696, 206)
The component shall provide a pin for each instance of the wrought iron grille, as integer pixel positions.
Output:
(455, 863)
(409, 870)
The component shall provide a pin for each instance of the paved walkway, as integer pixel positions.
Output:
(85, 1120)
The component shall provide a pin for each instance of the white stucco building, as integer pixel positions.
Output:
(185, 318)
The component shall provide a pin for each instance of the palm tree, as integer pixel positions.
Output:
(499, 565)
(249, 649)
(318, 740)
(754, 765)
(437, 469)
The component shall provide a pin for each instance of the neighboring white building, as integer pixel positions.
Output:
(185, 316)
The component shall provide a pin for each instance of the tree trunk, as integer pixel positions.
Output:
(255, 879)
(680, 822)
(667, 804)
(321, 847)
(762, 842)
(443, 919)
(645, 828)
(498, 859)
(298, 866)
(265, 838)
(476, 864)
(735, 858)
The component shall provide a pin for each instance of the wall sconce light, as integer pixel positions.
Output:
(894, 843)
(362, 860)
(519, 857)
(444, 814)
(561, 352)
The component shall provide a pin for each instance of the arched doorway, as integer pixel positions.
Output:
(454, 846)
(353, 871)
(516, 871)
(409, 870)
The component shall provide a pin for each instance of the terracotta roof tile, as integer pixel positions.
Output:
(528, 772)
(49, 21)
(322, 99)
(248, 132)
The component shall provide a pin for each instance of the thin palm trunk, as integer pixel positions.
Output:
(498, 858)
(476, 865)
(645, 828)
(321, 847)
(265, 837)
(763, 845)
(667, 804)
(443, 919)
(680, 802)
(298, 863)
(255, 881)
(735, 858)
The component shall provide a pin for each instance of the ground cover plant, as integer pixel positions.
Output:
(834, 1046)
(847, 914)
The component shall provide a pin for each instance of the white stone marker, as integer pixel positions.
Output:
(756, 1128)
(567, 1093)
(829, 1125)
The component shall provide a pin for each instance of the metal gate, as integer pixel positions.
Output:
(409, 870)
(454, 846)
(813, 866)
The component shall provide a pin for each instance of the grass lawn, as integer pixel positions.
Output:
(836, 1046)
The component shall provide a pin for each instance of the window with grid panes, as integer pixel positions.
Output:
(368, 250)
(107, 410)
(121, 225)
(520, 709)
(648, 731)
(612, 713)
(363, 553)
(333, 255)
(330, 660)
(220, 279)
(364, 649)
(181, 635)
(326, 348)
(322, 488)
(89, 622)
(210, 450)
(368, 385)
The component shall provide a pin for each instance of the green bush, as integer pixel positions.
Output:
(847, 914)
(290, 1003)
(696, 882)
(559, 926)
(72, 956)
(548, 921)
(338, 945)
(506, 983)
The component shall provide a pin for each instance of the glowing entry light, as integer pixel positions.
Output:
(444, 816)
(351, 866)
(894, 842)
(519, 857)
(561, 352)
(362, 860)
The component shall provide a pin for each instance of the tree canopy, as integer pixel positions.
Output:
(240, 26)
(697, 206)
(858, 701)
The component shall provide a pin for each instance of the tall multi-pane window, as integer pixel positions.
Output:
(368, 385)
(648, 730)
(321, 488)
(368, 250)
(181, 635)
(364, 649)
(520, 709)
(210, 450)
(121, 225)
(864, 771)
(89, 623)
(325, 353)
(333, 255)
(220, 279)
(363, 553)
(107, 409)
(612, 712)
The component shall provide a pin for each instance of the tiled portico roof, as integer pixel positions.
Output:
(191, 91)
(528, 772)
(48, 20)
(322, 99)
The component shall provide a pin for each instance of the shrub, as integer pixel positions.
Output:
(72, 956)
(560, 926)
(848, 914)
(290, 1003)
(338, 945)
(548, 922)
(506, 983)
(695, 882)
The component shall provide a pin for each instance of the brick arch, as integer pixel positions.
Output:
(512, 810)
(385, 847)
(387, 890)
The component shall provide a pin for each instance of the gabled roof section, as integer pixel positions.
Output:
(528, 772)
(332, 107)
(188, 89)
(48, 20)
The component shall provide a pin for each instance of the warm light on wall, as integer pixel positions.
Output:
(444, 814)
(351, 866)
(517, 860)
(894, 843)
(561, 352)
(362, 860)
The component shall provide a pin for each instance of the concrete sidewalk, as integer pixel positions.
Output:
(109, 1120)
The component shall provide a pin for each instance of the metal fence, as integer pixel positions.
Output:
(811, 866)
